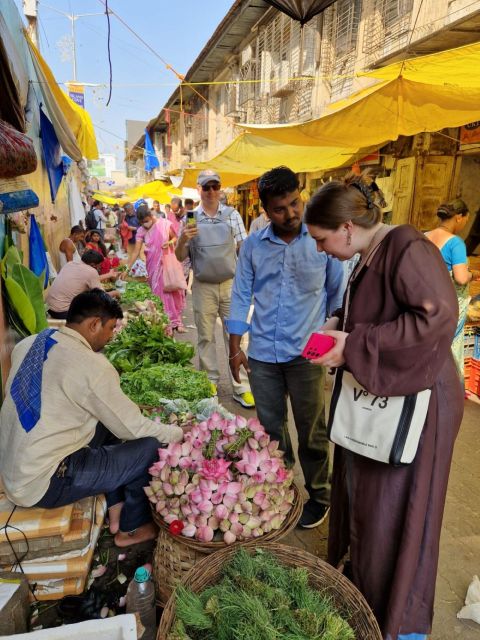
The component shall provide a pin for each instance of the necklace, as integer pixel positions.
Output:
(444, 227)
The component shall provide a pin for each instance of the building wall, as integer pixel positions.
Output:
(348, 37)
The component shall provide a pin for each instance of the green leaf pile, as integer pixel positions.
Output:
(25, 305)
(149, 385)
(142, 343)
(138, 292)
(259, 599)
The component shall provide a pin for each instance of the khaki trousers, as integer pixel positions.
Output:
(211, 301)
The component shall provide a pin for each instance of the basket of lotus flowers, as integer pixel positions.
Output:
(226, 484)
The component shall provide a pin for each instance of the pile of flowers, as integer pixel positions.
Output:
(227, 478)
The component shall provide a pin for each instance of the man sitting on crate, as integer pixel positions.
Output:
(54, 449)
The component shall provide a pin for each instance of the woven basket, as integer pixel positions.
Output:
(348, 601)
(175, 555)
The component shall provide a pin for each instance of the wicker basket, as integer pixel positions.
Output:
(175, 555)
(348, 601)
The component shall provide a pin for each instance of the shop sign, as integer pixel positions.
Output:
(77, 93)
(470, 133)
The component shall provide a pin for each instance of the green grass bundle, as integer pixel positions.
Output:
(257, 598)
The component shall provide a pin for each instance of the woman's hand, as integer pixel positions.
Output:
(333, 358)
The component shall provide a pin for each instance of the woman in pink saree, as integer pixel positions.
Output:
(156, 235)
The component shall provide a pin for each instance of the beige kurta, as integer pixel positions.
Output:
(79, 389)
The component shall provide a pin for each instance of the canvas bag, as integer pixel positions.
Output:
(386, 429)
(213, 251)
(173, 277)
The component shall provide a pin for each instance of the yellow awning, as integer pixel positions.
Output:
(248, 156)
(156, 189)
(433, 92)
(107, 198)
(72, 124)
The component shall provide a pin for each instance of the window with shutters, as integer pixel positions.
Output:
(387, 27)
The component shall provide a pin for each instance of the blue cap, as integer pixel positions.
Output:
(137, 203)
(142, 574)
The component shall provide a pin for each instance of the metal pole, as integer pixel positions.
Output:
(74, 47)
(30, 10)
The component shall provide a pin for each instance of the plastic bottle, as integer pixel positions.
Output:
(141, 600)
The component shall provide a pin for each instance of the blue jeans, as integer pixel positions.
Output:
(272, 383)
(106, 465)
(413, 636)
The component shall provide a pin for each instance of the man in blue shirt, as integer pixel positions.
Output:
(294, 288)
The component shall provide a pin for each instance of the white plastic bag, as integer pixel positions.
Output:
(471, 610)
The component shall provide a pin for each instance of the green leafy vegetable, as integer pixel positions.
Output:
(143, 343)
(138, 292)
(149, 385)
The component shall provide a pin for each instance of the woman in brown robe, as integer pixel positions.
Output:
(402, 318)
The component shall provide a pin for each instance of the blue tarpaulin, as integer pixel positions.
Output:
(149, 155)
(52, 154)
(38, 257)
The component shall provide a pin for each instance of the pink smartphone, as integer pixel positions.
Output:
(318, 344)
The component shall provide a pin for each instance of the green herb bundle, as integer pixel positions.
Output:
(142, 343)
(259, 599)
(150, 385)
(138, 292)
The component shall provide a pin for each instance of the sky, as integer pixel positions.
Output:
(176, 29)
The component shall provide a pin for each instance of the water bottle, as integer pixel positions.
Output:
(141, 600)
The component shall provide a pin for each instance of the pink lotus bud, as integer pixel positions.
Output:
(246, 533)
(230, 429)
(195, 479)
(256, 533)
(277, 521)
(169, 518)
(233, 517)
(196, 496)
(237, 529)
(195, 509)
(197, 443)
(224, 525)
(216, 498)
(251, 491)
(165, 473)
(179, 489)
(155, 485)
(237, 507)
(164, 512)
(201, 520)
(253, 444)
(175, 449)
(265, 505)
(163, 454)
(259, 435)
(243, 518)
(259, 497)
(266, 527)
(234, 488)
(221, 511)
(155, 470)
(229, 537)
(254, 522)
(189, 530)
(189, 488)
(213, 522)
(229, 501)
(247, 507)
(191, 519)
(266, 516)
(167, 487)
(205, 534)
(259, 476)
(185, 463)
(186, 449)
(273, 446)
(205, 506)
(240, 422)
(161, 504)
(264, 441)
(174, 476)
(173, 461)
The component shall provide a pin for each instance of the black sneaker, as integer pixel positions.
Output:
(314, 513)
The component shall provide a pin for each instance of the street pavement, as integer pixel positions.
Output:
(460, 542)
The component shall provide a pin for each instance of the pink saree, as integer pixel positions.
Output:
(154, 239)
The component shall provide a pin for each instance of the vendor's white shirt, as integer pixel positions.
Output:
(79, 389)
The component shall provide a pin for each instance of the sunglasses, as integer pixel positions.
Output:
(208, 187)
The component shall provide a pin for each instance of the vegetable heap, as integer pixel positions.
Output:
(143, 342)
(150, 385)
(260, 599)
(226, 478)
(138, 292)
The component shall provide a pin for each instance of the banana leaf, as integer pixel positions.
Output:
(32, 287)
(11, 257)
(22, 306)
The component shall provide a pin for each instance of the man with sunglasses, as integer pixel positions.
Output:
(212, 240)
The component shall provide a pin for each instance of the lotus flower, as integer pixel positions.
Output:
(215, 469)
(229, 537)
(189, 530)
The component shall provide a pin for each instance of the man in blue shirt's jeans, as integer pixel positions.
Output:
(294, 288)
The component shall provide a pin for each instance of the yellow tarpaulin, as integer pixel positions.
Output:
(156, 190)
(433, 92)
(248, 156)
(73, 125)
